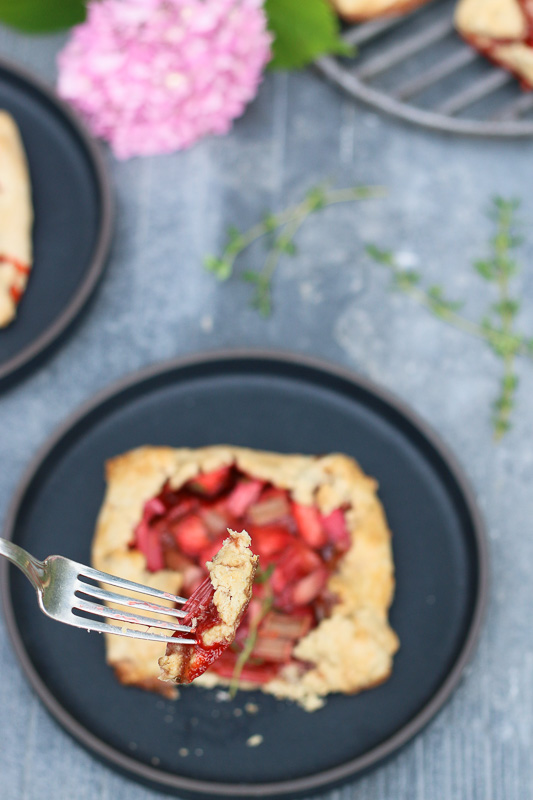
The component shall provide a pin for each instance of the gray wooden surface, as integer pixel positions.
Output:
(157, 302)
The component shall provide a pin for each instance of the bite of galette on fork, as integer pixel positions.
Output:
(213, 611)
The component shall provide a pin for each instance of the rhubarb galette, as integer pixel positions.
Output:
(214, 610)
(16, 218)
(502, 30)
(318, 619)
(359, 10)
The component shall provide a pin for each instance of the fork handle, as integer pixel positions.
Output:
(32, 569)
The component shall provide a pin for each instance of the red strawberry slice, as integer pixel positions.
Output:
(148, 542)
(309, 525)
(191, 535)
(298, 560)
(211, 549)
(268, 540)
(255, 673)
(294, 564)
(211, 483)
(307, 589)
(244, 494)
(336, 529)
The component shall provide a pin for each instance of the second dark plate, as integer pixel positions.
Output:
(198, 744)
(73, 219)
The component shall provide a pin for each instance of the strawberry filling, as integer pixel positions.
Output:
(202, 613)
(15, 290)
(299, 548)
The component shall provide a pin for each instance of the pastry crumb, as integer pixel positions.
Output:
(255, 740)
(183, 751)
(251, 708)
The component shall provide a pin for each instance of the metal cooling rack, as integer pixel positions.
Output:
(419, 69)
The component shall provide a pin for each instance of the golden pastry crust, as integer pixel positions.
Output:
(502, 30)
(16, 219)
(232, 572)
(361, 10)
(364, 581)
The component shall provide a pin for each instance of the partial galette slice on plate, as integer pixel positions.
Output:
(214, 610)
(361, 10)
(16, 219)
(502, 30)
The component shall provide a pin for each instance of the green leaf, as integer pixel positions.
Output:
(270, 222)
(286, 245)
(316, 198)
(40, 16)
(261, 300)
(485, 269)
(510, 383)
(303, 30)
(220, 267)
(506, 308)
(407, 278)
(251, 277)
(501, 427)
(381, 256)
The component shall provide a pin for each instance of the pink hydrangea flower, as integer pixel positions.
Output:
(153, 76)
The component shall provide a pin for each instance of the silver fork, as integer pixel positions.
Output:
(60, 588)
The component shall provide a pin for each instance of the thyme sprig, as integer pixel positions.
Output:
(262, 577)
(280, 232)
(497, 326)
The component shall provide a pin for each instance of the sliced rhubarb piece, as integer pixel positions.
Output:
(215, 522)
(191, 535)
(214, 611)
(272, 648)
(243, 496)
(184, 506)
(287, 626)
(191, 573)
(153, 508)
(272, 506)
(149, 543)
(336, 530)
(309, 525)
(211, 483)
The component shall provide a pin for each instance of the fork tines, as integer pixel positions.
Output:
(95, 592)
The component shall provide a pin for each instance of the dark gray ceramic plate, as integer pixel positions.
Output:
(277, 403)
(73, 220)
